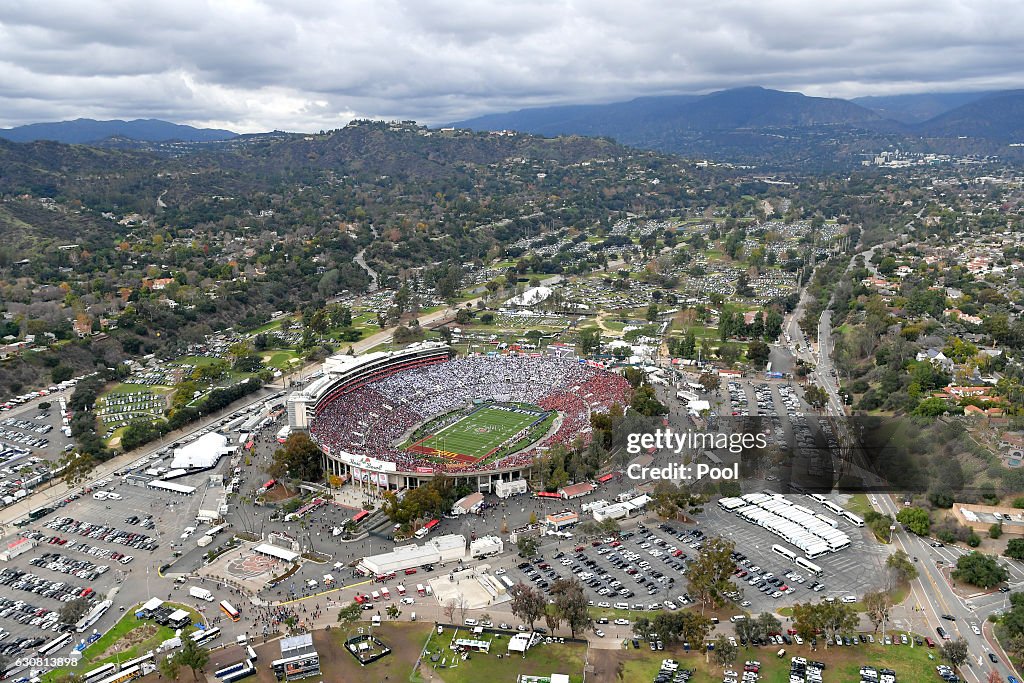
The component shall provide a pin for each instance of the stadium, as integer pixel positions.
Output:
(396, 419)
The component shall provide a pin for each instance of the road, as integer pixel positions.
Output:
(932, 596)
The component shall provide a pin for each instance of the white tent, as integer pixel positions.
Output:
(201, 454)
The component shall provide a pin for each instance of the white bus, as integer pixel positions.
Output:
(99, 673)
(828, 520)
(804, 563)
(829, 505)
(785, 552)
(816, 551)
(817, 497)
(206, 635)
(854, 519)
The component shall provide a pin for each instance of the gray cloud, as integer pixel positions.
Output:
(306, 65)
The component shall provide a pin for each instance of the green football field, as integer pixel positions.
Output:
(475, 435)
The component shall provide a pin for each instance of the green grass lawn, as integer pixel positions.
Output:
(479, 433)
(124, 628)
(197, 361)
(125, 389)
(859, 505)
(842, 663)
(280, 359)
(271, 326)
(541, 660)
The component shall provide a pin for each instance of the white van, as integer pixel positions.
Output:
(100, 495)
(737, 617)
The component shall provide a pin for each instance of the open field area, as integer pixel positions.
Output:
(842, 663)
(478, 434)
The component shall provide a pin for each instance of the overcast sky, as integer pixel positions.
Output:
(306, 65)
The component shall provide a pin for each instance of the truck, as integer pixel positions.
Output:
(204, 541)
(201, 593)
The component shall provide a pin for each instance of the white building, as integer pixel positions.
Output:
(439, 550)
(507, 489)
(486, 546)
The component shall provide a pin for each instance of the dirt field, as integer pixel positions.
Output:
(336, 664)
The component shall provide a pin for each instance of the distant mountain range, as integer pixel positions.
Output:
(785, 128)
(90, 131)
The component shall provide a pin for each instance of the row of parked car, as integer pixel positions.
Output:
(27, 613)
(12, 648)
(803, 671)
(671, 672)
(82, 569)
(58, 590)
(102, 532)
(751, 673)
(93, 550)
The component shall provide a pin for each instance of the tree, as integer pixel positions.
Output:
(590, 340)
(1015, 549)
(877, 605)
(710, 381)
(571, 604)
(725, 651)
(757, 353)
(350, 614)
(77, 468)
(768, 624)
(916, 519)
(710, 574)
(300, 457)
(1015, 646)
(815, 396)
(646, 402)
(527, 546)
(994, 677)
(170, 667)
(393, 611)
(527, 603)
(193, 656)
(449, 609)
(955, 651)
(74, 610)
(979, 570)
(900, 565)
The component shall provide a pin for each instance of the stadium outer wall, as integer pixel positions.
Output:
(342, 374)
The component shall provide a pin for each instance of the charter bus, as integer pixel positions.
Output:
(55, 644)
(828, 520)
(138, 661)
(205, 636)
(785, 552)
(99, 673)
(360, 516)
(829, 505)
(854, 519)
(124, 675)
(804, 563)
(227, 609)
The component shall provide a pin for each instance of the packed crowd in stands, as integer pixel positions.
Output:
(375, 418)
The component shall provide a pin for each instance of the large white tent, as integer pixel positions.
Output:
(201, 454)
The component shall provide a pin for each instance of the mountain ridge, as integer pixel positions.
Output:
(84, 131)
(773, 127)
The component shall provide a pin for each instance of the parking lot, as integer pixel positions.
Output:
(92, 551)
(852, 571)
